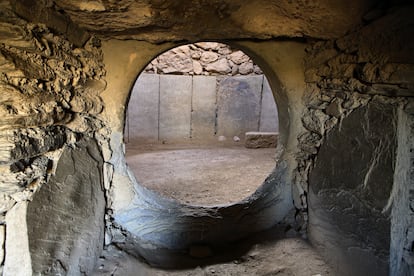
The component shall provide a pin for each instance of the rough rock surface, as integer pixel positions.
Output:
(183, 20)
(255, 140)
(74, 202)
(350, 186)
(46, 82)
(342, 76)
(49, 98)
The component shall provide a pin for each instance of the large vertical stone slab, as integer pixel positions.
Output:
(175, 107)
(203, 116)
(17, 261)
(269, 121)
(238, 105)
(349, 189)
(65, 220)
(143, 109)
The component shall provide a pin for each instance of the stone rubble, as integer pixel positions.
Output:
(203, 58)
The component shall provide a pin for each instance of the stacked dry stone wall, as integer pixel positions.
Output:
(204, 58)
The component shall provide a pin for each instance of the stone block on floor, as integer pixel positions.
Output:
(254, 140)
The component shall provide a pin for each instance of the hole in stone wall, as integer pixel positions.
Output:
(202, 125)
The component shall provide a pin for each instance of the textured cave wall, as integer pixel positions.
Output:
(349, 188)
(356, 86)
(52, 95)
(161, 21)
(49, 98)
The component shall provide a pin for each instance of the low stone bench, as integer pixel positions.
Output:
(254, 140)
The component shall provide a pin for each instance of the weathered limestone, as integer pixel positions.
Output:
(66, 217)
(49, 98)
(349, 191)
(182, 20)
(254, 140)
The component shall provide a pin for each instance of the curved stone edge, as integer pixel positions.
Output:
(157, 228)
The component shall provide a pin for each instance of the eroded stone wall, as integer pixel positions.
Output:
(49, 98)
(355, 86)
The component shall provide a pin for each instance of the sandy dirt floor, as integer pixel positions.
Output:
(201, 174)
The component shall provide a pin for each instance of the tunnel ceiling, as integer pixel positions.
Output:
(161, 20)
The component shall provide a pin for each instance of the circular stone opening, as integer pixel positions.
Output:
(202, 125)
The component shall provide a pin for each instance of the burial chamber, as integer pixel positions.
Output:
(342, 75)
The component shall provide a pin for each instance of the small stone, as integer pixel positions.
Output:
(185, 49)
(225, 50)
(222, 138)
(246, 68)
(208, 57)
(175, 63)
(221, 66)
(208, 45)
(236, 139)
(239, 57)
(257, 70)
